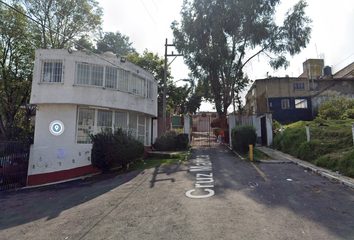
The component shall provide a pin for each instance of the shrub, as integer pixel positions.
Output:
(171, 142)
(242, 136)
(337, 108)
(182, 141)
(346, 165)
(111, 149)
(349, 113)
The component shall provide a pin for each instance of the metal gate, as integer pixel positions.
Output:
(13, 164)
(206, 129)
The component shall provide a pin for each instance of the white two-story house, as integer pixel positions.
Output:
(78, 94)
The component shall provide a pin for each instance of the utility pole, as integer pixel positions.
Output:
(165, 75)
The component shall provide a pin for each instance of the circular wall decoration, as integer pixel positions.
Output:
(56, 128)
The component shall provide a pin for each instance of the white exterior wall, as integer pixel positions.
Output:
(60, 101)
(67, 92)
(44, 152)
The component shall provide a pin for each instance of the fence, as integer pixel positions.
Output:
(13, 164)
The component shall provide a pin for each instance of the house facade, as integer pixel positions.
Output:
(295, 99)
(78, 94)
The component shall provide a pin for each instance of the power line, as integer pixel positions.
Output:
(148, 12)
(48, 28)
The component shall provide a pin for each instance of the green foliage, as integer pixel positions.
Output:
(242, 137)
(69, 19)
(112, 149)
(16, 66)
(276, 127)
(337, 108)
(346, 165)
(326, 162)
(330, 146)
(171, 142)
(115, 42)
(218, 38)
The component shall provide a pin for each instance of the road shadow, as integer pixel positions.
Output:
(21, 206)
(290, 193)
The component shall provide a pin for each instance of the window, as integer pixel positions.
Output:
(123, 80)
(137, 85)
(133, 124)
(89, 74)
(92, 121)
(104, 120)
(300, 103)
(111, 77)
(52, 71)
(149, 90)
(121, 120)
(299, 86)
(284, 103)
(141, 128)
(85, 125)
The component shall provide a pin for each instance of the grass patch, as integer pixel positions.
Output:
(154, 162)
(257, 156)
(331, 144)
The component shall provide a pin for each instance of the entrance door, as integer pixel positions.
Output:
(264, 131)
(206, 129)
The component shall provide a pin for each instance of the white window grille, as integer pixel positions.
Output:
(133, 124)
(300, 103)
(92, 121)
(111, 77)
(149, 90)
(285, 103)
(123, 80)
(136, 85)
(96, 75)
(141, 129)
(147, 132)
(52, 71)
(104, 120)
(121, 120)
(85, 125)
(89, 74)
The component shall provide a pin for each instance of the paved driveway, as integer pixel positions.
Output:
(235, 200)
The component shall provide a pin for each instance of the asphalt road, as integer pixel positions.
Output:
(232, 200)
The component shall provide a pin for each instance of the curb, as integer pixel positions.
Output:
(309, 166)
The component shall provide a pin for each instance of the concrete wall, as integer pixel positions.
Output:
(67, 92)
(44, 156)
(54, 158)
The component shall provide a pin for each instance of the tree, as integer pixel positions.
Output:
(219, 37)
(59, 22)
(115, 42)
(16, 65)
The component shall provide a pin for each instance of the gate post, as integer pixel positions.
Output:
(232, 124)
(187, 128)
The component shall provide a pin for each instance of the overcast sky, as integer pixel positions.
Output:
(147, 23)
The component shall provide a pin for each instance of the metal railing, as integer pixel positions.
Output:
(13, 164)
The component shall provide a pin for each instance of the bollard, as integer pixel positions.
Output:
(308, 132)
(281, 129)
(251, 152)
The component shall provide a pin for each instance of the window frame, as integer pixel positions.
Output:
(301, 103)
(43, 62)
(134, 130)
(285, 102)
